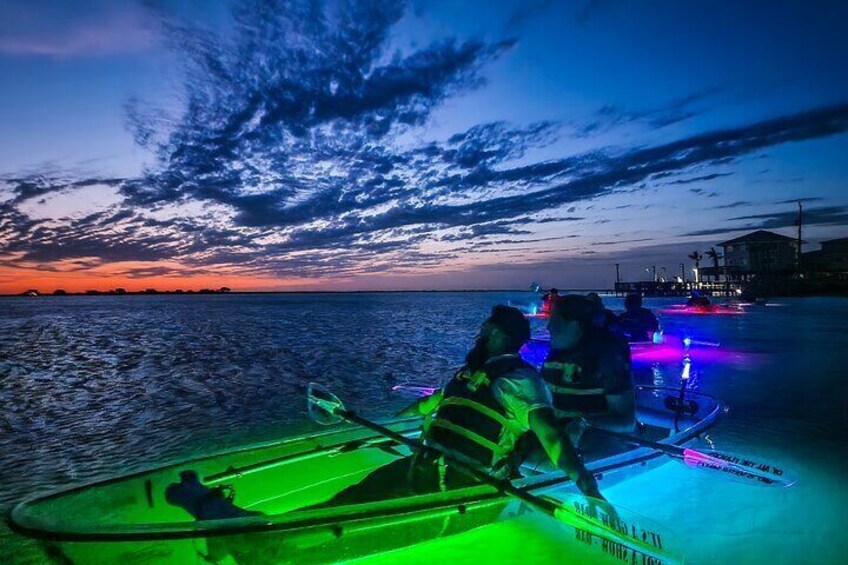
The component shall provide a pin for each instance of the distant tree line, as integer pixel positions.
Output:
(114, 291)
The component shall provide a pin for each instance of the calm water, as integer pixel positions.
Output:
(94, 386)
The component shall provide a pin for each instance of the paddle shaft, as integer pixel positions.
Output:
(713, 460)
(503, 485)
(612, 531)
(550, 507)
(670, 449)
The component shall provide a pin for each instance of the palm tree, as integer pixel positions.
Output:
(715, 256)
(695, 256)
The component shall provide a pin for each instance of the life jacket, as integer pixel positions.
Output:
(572, 377)
(470, 420)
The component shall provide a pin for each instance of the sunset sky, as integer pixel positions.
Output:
(349, 145)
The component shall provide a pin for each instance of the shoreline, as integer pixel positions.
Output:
(606, 291)
(195, 292)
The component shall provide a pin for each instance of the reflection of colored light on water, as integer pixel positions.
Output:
(712, 311)
(649, 353)
(673, 350)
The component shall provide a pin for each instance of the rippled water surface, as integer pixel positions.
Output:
(95, 386)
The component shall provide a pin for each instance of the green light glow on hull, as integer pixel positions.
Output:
(127, 520)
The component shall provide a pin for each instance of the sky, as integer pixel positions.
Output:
(389, 145)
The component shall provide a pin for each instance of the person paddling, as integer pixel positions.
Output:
(637, 323)
(588, 370)
(479, 416)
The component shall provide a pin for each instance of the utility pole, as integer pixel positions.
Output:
(800, 218)
(617, 274)
(654, 268)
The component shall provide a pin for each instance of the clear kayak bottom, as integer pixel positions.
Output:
(129, 520)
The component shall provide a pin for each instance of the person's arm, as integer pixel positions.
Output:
(421, 407)
(527, 401)
(620, 415)
(561, 452)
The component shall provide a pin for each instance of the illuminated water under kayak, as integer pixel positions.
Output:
(128, 520)
(671, 350)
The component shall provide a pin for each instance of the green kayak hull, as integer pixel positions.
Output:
(128, 520)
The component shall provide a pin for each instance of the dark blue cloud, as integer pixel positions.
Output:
(821, 216)
(702, 178)
(610, 116)
(801, 199)
(737, 204)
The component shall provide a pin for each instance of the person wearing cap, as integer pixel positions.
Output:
(587, 370)
(479, 415)
(637, 323)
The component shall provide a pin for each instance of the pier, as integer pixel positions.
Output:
(675, 288)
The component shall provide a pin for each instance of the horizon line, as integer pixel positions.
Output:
(194, 292)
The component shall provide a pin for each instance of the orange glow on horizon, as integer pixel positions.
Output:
(111, 277)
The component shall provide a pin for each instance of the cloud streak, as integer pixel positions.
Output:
(820, 216)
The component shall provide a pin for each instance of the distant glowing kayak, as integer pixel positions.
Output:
(532, 311)
(129, 520)
(721, 309)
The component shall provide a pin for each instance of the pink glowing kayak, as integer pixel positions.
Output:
(712, 309)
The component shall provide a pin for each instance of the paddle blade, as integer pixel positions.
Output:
(617, 532)
(416, 390)
(323, 406)
(738, 468)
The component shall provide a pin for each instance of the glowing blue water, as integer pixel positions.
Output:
(94, 386)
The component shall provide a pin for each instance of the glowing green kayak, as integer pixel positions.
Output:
(129, 520)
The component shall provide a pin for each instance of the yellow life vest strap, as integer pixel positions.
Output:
(468, 434)
(485, 410)
(557, 389)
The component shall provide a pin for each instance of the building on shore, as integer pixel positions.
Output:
(755, 254)
(831, 260)
(760, 263)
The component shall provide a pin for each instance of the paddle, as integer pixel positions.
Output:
(688, 341)
(734, 466)
(591, 518)
(419, 390)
